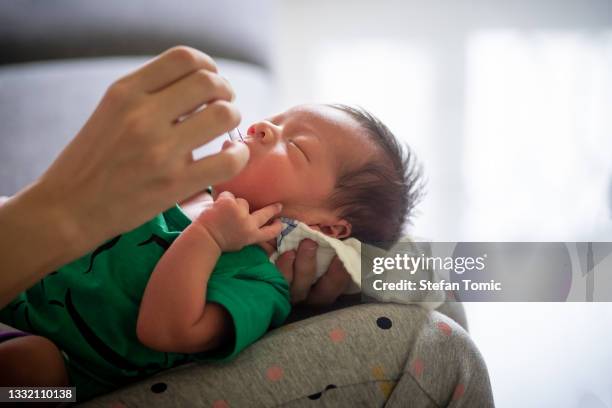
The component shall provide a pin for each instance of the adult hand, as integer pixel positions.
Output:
(299, 269)
(131, 160)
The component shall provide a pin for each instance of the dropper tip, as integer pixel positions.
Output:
(232, 135)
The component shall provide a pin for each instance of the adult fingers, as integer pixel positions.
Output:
(332, 284)
(169, 67)
(203, 126)
(284, 263)
(305, 270)
(217, 167)
(192, 91)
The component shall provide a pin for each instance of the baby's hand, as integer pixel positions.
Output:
(231, 225)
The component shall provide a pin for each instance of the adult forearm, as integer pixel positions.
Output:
(38, 235)
(174, 298)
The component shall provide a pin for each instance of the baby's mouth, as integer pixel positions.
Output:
(227, 144)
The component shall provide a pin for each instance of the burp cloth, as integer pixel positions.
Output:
(348, 250)
(349, 253)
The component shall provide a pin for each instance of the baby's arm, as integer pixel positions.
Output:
(174, 316)
(174, 299)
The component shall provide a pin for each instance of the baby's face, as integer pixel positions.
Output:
(295, 159)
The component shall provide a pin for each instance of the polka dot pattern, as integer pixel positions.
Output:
(385, 379)
(158, 388)
(384, 323)
(459, 391)
(444, 328)
(417, 367)
(378, 373)
(386, 387)
(315, 396)
(318, 395)
(274, 373)
(337, 335)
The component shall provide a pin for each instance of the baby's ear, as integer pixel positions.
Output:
(339, 229)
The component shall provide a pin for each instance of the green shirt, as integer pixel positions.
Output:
(89, 307)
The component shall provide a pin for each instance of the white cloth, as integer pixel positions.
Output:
(350, 254)
(348, 250)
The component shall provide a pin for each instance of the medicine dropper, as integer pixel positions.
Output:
(235, 135)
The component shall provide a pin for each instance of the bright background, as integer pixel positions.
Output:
(508, 104)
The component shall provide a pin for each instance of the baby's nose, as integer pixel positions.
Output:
(261, 131)
(257, 131)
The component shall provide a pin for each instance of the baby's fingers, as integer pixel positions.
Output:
(265, 214)
(226, 195)
(269, 232)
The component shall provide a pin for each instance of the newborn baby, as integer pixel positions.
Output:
(195, 282)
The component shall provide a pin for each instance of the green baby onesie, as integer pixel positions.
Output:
(89, 307)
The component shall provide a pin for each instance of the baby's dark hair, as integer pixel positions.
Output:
(379, 197)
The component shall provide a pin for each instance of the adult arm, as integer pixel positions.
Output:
(130, 161)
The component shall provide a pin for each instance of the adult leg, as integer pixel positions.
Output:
(445, 365)
(367, 355)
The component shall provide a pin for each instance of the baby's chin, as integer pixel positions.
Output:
(257, 192)
(255, 202)
(225, 186)
(221, 187)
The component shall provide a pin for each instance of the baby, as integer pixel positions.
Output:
(195, 282)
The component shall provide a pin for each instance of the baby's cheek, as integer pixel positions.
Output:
(273, 186)
(272, 170)
(261, 184)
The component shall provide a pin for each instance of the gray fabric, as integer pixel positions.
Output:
(455, 311)
(369, 355)
(450, 308)
(36, 30)
(43, 105)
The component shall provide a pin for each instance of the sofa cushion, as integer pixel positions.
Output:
(43, 105)
(57, 29)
